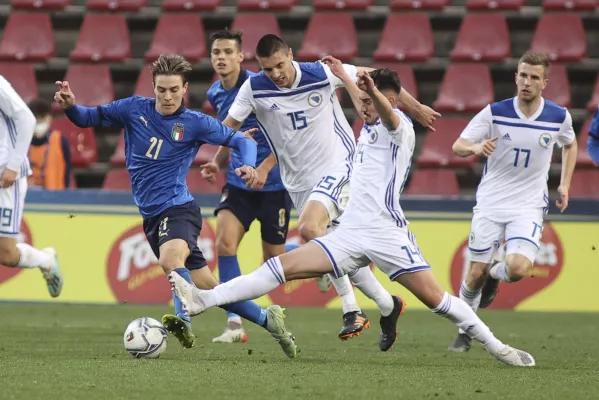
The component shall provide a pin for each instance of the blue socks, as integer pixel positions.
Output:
(228, 268)
(249, 310)
(289, 247)
(184, 272)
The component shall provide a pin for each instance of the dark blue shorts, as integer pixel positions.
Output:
(272, 209)
(593, 149)
(178, 222)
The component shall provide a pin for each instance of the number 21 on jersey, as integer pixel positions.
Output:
(155, 146)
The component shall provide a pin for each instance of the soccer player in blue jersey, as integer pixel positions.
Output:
(240, 206)
(593, 141)
(162, 138)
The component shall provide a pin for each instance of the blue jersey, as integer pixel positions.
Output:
(221, 100)
(159, 149)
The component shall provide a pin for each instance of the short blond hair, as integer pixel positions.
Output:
(532, 58)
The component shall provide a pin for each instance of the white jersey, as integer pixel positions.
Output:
(515, 175)
(304, 125)
(16, 130)
(381, 167)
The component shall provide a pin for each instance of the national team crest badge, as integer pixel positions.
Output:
(314, 99)
(545, 140)
(177, 132)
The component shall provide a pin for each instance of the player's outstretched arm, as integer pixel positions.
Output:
(425, 115)
(349, 82)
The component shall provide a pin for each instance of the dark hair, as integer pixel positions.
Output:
(386, 79)
(269, 45)
(226, 34)
(171, 64)
(40, 108)
(532, 58)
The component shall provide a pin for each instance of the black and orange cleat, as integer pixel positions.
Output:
(354, 322)
(389, 324)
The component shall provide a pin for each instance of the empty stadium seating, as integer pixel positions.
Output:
(254, 26)
(91, 84)
(27, 37)
(585, 184)
(187, 39)
(406, 37)
(561, 36)
(190, 5)
(436, 150)
(262, 5)
(323, 38)
(481, 5)
(465, 88)
(103, 38)
(342, 4)
(39, 4)
(425, 5)
(558, 88)
(583, 160)
(116, 5)
(82, 142)
(22, 78)
(570, 5)
(438, 182)
(482, 37)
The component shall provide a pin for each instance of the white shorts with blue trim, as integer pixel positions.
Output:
(12, 203)
(332, 191)
(521, 231)
(392, 249)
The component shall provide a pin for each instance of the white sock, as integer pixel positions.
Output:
(458, 312)
(346, 292)
(33, 258)
(470, 297)
(235, 320)
(365, 280)
(499, 271)
(246, 287)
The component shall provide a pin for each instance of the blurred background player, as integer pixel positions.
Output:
(593, 141)
(299, 114)
(373, 227)
(517, 135)
(162, 138)
(49, 154)
(16, 131)
(240, 206)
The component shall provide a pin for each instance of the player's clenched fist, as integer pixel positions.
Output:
(486, 148)
(64, 97)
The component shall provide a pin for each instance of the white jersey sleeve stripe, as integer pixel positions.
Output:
(552, 128)
(259, 94)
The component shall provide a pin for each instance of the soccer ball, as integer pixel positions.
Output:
(145, 338)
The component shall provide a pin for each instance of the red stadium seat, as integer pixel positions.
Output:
(436, 151)
(594, 102)
(197, 184)
(103, 38)
(424, 5)
(82, 142)
(499, 5)
(92, 85)
(570, 5)
(118, 180)
(465, 88)
(27, 37)
(482, 37)
(583, 160)
(558, 87)
(406, 37)
(40, 4)
(262, 5)
(323, 38)
(22, 78)
(560, 36)
(342, 4)
(187, 40)
(585, 184)
(254, 26)
(434, 182)
(116, 5)
(191, 5)
(406, 76)
(145, 86)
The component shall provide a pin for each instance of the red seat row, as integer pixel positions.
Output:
(405, 37)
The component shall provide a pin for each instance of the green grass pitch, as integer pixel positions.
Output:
(76, 352)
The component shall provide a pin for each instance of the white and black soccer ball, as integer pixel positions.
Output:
(145, 338)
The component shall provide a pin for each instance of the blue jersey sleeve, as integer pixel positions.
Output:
(594, 129)
(214, 132)
(115, 114)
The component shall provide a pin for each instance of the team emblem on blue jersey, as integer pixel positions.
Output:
(177, 132)
(545, 140)
(314, 99)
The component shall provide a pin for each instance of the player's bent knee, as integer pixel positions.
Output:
(308, 261)
(173, 254)
(9, 254)
(225, 246)
(518, 267)
(311, 230)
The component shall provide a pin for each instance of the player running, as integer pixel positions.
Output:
(240, 206)
(301, 118)
(16, 130)
(373, 227)
(593, 141)
(162, 138)
(517, 135)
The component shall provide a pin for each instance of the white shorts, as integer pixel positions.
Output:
(521, 232)
(332, 191)
(392, 249)
(12, 203)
